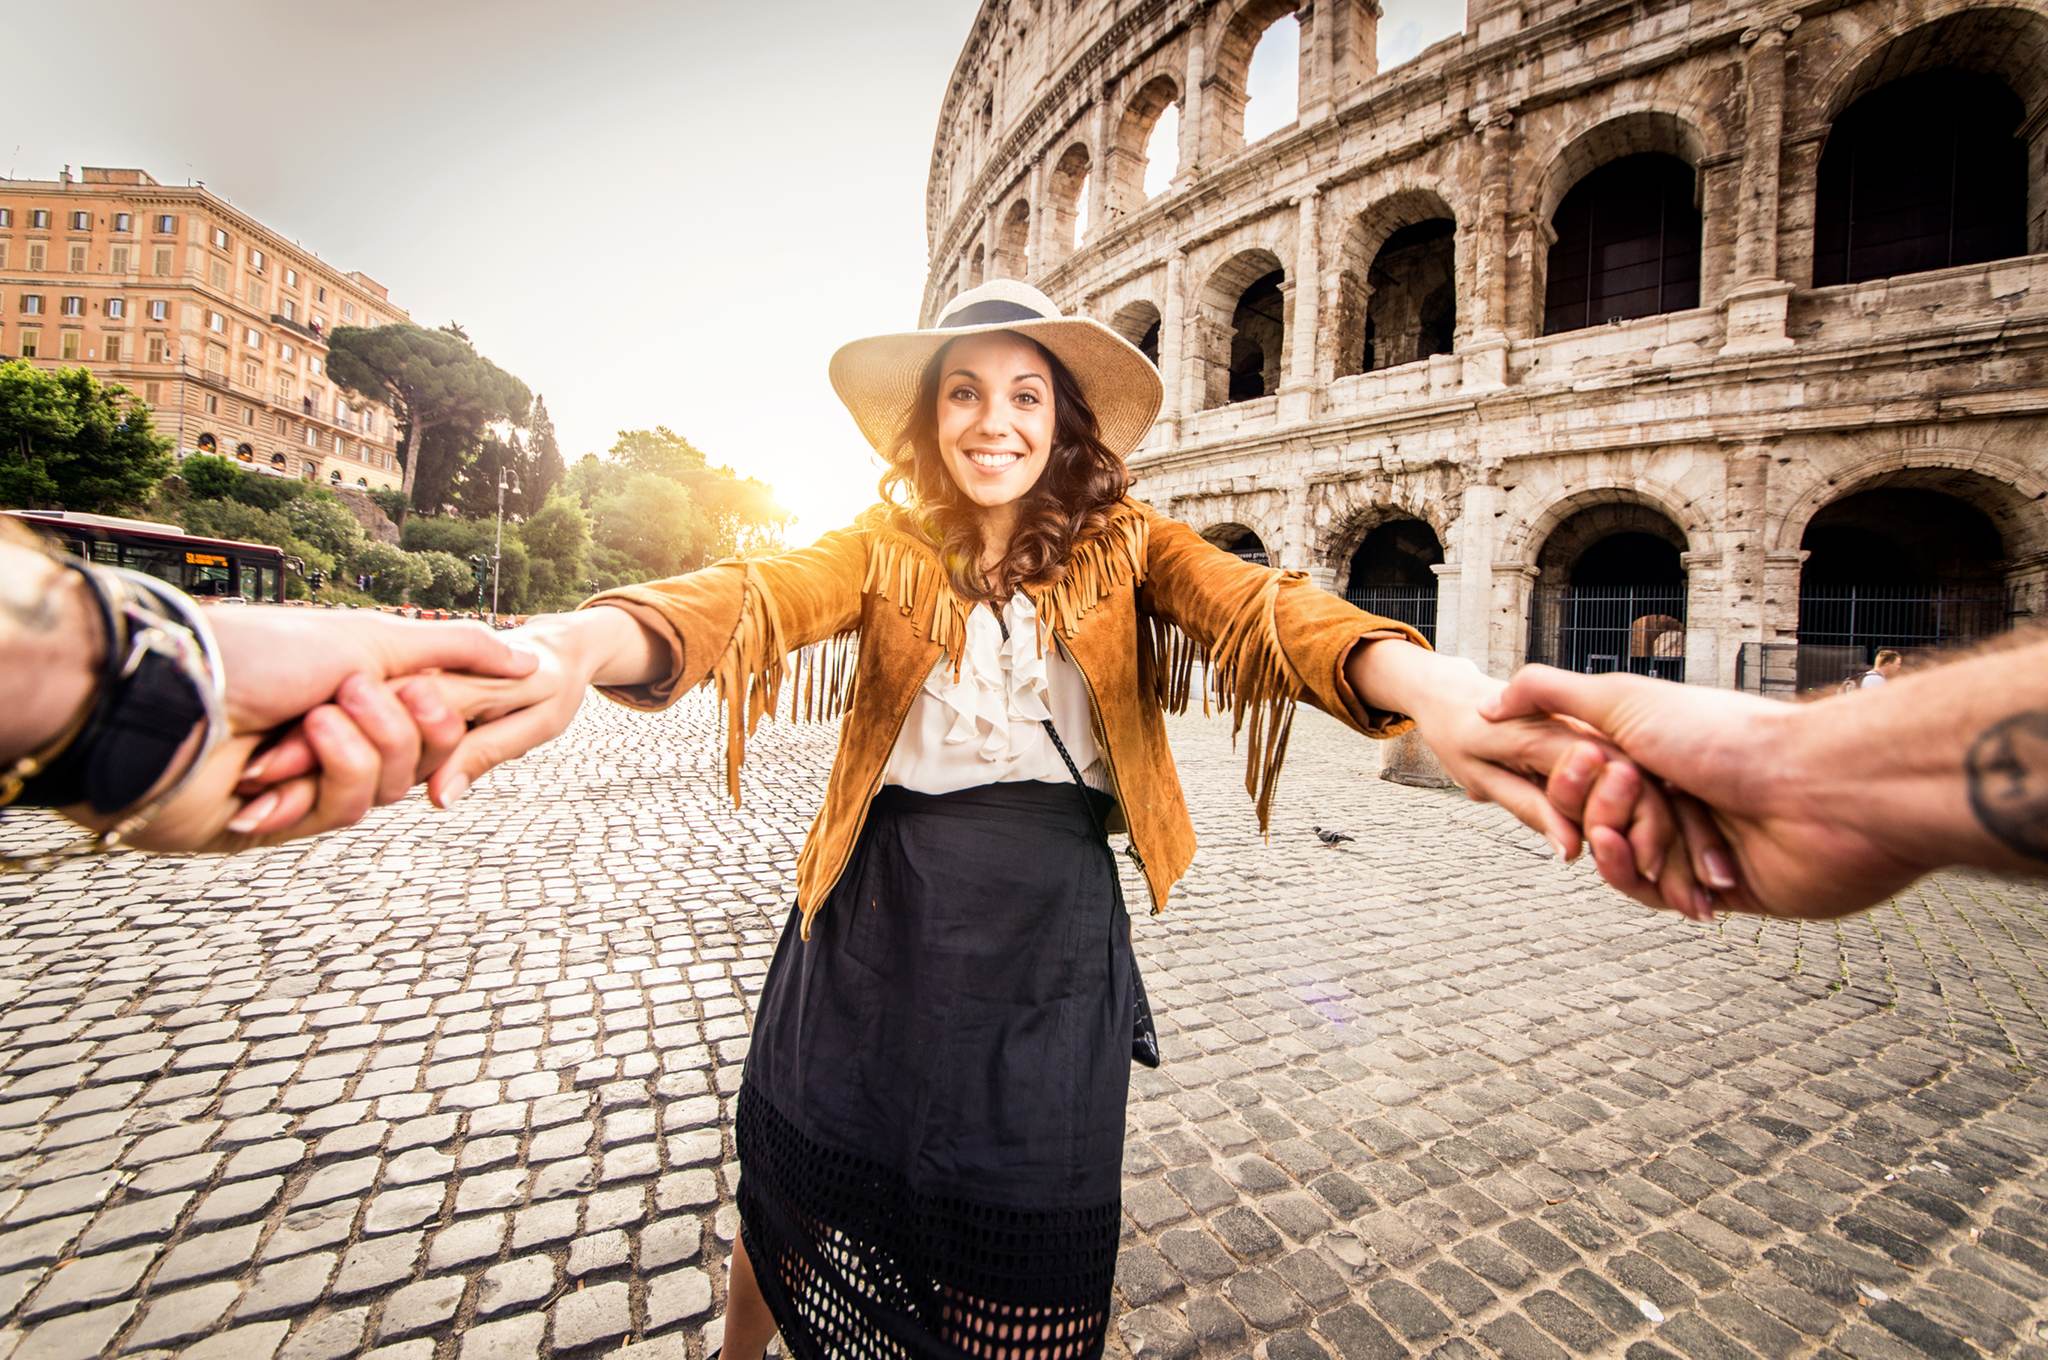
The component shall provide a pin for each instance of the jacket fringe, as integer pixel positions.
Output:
(750, 672)
(1245, 671)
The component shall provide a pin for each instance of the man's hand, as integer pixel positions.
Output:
(1739, 755)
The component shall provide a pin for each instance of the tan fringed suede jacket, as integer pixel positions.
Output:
(870, 609)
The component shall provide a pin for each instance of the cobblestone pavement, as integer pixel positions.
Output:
(457, 1086)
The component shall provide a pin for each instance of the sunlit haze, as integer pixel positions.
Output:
(652, 213)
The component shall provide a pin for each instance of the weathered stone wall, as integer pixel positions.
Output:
(1725, 426)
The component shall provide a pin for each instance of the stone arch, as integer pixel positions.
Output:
(1611, 588)
(1635, 145)
(1139, 323)
(1523, 540)
(1980, 76)
(1066, 189)
(1387, 569)
(1413, 271)
(1243, 326)
(1234, 536)
(976, 266)
(1126, 162)
(2014, 497)
(1013, 240)
(1224, 94)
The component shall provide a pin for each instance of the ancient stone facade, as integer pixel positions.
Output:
(1707, 340)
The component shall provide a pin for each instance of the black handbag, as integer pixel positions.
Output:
(1144, 1038)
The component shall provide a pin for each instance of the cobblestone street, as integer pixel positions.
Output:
(457, 1086)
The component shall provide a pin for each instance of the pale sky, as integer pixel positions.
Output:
(652, 213)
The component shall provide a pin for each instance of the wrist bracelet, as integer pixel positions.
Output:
(48, 767)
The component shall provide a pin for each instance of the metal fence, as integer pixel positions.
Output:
(1596, 629)
(1842, 628)
(1412, 605)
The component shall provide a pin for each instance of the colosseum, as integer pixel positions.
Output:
(1704, 340)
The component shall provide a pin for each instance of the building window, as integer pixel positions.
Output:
(319, 294)
(3, 254)
(216, 323)
(313, 362)
(81, 221)
(6, 217)
(312, 437)
(251, 338)
(36, 256)
(118, 259)
(220, 239)
(76, 261)
(31, 304)
(250, 376)
(248, 415)
(286, 352)
(256, 259)
(153, 350)
(216, 359)
(158, 309)
(212, 404)
(152, 392)
(166, 224)
(30, 344)
(67, 345)
(291, 278)
(348, 311)
(39, 219)
(288, 309)
(217, 275)
(160, 261)
(253, 294)
(124, 222)
(339, 445)
(74, 306)
(117, 307)
(284, 386)
(110, 348)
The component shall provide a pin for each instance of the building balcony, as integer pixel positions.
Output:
(299, 328)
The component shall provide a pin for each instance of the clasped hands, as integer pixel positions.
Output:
(1661, 782)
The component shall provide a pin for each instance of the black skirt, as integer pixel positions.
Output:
(931, 1120)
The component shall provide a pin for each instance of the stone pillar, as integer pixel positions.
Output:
(1486, 355)
(1034, 232)
(1191, 105)
(1173, 345)
(1756, 305)
(1098, 166)
(1706, 619)
(1298, 388)
(1316, 62)
(1746, 474)
(1473, 612)
(1355, 40)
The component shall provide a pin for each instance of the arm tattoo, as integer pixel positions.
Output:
(2008, 781)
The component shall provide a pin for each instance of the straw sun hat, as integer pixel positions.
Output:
(877, 377)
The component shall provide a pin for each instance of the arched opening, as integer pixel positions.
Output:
(1146, 154)
(975, 267)
(1412, 309)
(1240, 541)
(208, 443)
(1391, 574)
(1013, 241)
(1926, 172)
(1067, 197)
(1138, 322)
(1611, 593)
(1911, 562)
(277, 460)
(1626, 243)
(1255, 87)
(245, 452)
(1244, 328)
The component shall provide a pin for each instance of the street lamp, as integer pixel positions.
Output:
(498, 547)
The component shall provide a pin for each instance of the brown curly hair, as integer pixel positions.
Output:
(1071, 500)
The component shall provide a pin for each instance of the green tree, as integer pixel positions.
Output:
(440, 389)
(210, 478)
(69, 441)
(651, 522)
(544, 468)
(451, 583)
(557, 539)
(327, 524)
(393, 573)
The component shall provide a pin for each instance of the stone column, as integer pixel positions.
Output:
(1486, 354)
(1298, 388)
(1477, 515)
(1191, 117)
(1317, 61)
(1173, 345)
(1756, 305)
(1746, 475)
(1098, 166)
(1034, 240)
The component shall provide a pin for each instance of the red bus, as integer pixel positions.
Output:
(206, 568)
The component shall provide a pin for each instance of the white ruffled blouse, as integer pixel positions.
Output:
(987, 726)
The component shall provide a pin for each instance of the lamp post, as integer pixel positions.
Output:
(498, 547)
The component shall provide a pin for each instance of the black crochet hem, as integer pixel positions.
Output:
(854, 1265)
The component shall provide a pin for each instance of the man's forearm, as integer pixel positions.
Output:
(1949, 765)
(49, 636)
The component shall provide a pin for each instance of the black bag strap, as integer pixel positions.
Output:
(1061, 747)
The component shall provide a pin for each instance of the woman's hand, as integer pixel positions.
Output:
(1508, 762)
(508, 718)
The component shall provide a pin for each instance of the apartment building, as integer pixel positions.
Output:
(215, 320)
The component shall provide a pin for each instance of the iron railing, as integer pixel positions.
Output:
(1904, 617)
(1412, 605)
(1596, 629)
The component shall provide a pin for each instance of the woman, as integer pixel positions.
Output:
(931, 1116)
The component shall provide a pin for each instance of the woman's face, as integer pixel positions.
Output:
(995, 423)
